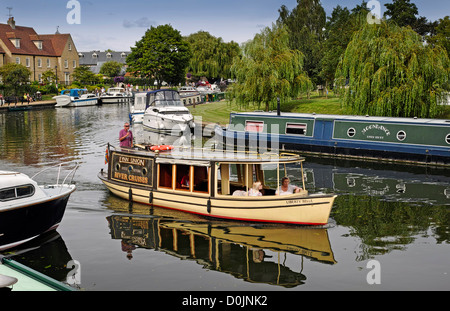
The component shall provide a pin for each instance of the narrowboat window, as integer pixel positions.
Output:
(254, 126)
(447, 139)
(25, 191)
(401, 135)
(296, 128)
(351, 132)
(7, 194)
(183, 178)
(165, 175)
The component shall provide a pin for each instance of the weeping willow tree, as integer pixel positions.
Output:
(391, 72)
(211, 57)
(267, 70)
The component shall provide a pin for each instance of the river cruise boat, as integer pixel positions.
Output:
(75, 98)
(214, 184)
(115, 95)
(27, 209)
(398, 139)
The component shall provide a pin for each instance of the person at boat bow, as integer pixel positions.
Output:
(126, 136)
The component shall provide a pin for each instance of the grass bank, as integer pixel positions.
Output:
(219, 112)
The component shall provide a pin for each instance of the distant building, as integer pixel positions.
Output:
(95, 59)
(39, 53)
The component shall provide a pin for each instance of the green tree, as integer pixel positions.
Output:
(161, 54)
(84, 76)
(49, 76)
(268, 69)
(305, 24)
(403, 13)
(339, 29)
(211, 57)
(390, 72)
(15, 77)
(442, 36)
(111, 69)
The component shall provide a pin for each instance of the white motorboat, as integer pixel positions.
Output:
(137, 109)
(75, 98)
(187, 90)
(166, 113)
(115, 95)
(27, 209)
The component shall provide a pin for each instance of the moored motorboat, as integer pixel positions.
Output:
(138, 107)
(115, 95)
(27, 209)
(166, 113)
(214, 184)
(75, 98)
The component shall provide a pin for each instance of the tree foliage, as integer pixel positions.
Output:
(305, 24)
(111, 69)
(390, 72)
(15, 76)
(211, 57)
(161, 54)
(442, 34)
(339, 30)
(268, 69)
(84, 76)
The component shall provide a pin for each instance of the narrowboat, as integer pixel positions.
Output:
(396, 139)
(27, 209)
(215, 184)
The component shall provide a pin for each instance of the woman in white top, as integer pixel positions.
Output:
(286, 188)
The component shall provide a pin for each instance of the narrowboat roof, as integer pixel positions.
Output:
(188, 155)
(343, 117)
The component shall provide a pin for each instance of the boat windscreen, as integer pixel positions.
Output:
(168, 103)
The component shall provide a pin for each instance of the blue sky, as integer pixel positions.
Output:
(118, 24)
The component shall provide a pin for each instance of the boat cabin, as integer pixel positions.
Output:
(216, 177)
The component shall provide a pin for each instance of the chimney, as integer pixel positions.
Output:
(12, 23)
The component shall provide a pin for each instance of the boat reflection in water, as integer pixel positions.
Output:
(258, 253)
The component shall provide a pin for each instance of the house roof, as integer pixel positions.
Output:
(88, 58)
(52, 45)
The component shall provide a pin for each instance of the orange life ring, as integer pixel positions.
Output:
(161, 147)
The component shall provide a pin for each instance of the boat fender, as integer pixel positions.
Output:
(150, 198)
(130, 194)
(208, 206)
(161, 147)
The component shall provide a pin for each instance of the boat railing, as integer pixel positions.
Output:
(59, 166)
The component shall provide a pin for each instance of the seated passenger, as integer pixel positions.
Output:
(255, 191)
(185, 181)
(240, 193)
(286, 188)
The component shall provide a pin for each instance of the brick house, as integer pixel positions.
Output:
(39, 53)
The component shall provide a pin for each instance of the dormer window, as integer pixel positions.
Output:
(108, 55)
(16, 42)
(94, 55)
(123, 55)
(38, 44)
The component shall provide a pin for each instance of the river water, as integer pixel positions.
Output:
(389, 228)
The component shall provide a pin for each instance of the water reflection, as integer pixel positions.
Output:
(47, 254)
(259, 254)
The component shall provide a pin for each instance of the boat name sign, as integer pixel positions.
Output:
(132, 169)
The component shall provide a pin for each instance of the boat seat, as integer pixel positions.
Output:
(240, 193)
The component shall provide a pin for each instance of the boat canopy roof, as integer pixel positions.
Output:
(164, 98)
(74, 92)
(203, 157)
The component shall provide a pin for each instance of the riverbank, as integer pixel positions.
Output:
(27, 106)
(219, 112)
